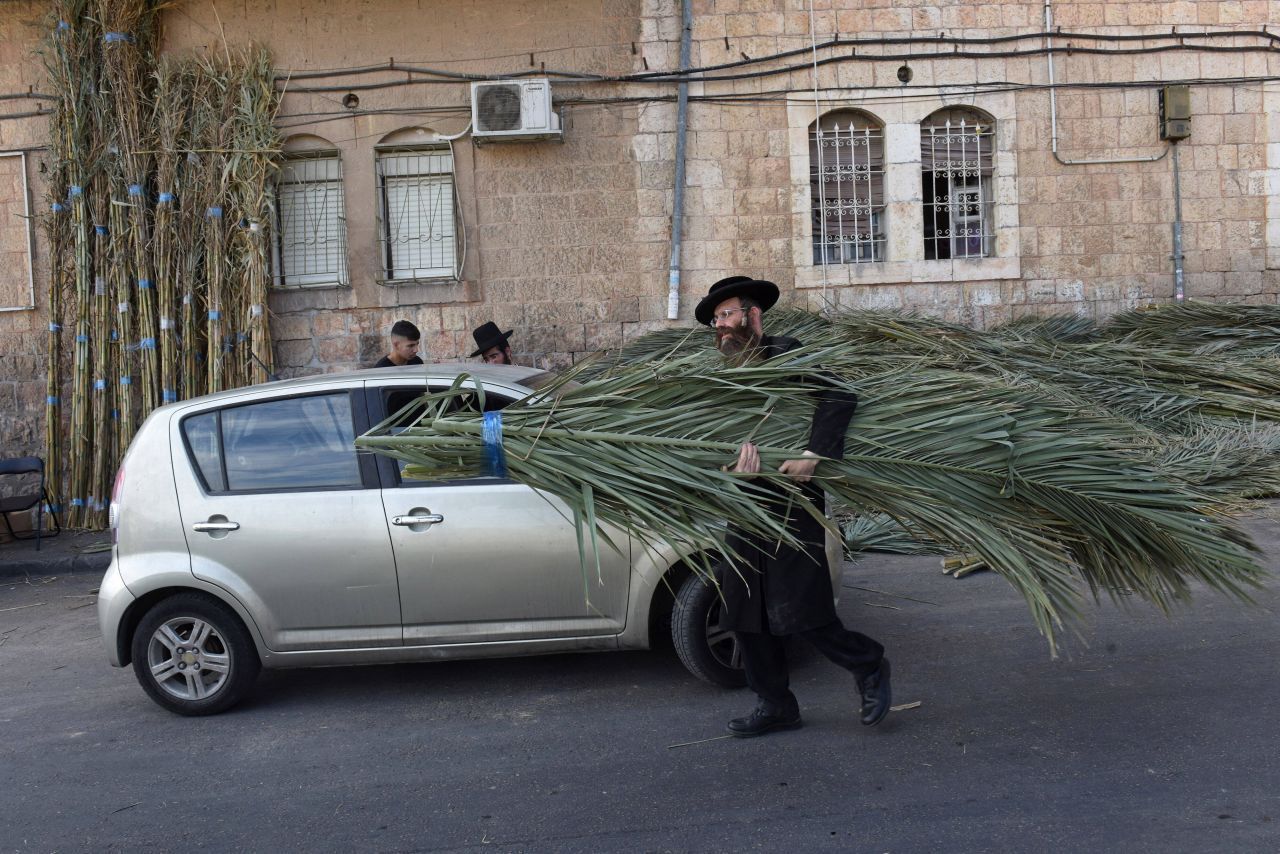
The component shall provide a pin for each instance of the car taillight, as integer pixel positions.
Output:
(113, 514)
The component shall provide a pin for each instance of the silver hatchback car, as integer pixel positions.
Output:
(249, 532)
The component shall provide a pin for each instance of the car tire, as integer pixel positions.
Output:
(708, 651)
(193, 656)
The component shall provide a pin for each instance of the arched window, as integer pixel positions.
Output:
(418, 218)
(846, 180)
(311, 227)
(956, 177)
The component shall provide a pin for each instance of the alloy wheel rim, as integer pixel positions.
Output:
(188, 658)
(721, 641)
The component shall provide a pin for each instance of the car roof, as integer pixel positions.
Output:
(447, 371)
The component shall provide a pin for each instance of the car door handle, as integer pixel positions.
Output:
(211, 527)
(423, 519)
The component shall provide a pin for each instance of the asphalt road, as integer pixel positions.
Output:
(1147, 734)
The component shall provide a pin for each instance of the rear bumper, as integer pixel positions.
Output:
(114, 599)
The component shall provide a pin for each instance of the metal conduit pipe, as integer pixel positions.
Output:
(1179, 283)
(1053, 108)
(682, 127)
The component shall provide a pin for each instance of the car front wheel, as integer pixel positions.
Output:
(705, 647)
(193, 656)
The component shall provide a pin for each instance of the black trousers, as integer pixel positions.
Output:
(765, 660)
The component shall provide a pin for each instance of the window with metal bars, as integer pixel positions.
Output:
(417, 209)
(957, 179)
(311, 228)
(846, 180)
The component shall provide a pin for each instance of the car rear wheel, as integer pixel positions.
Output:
(193, 656)
(707, 649)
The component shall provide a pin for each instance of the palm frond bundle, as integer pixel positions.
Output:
(1054, 501)
(1074, 328)
(1159, 388)
(1228, 330)
(1233, 462)
(881, 533)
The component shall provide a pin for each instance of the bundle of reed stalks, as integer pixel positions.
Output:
(155, 165)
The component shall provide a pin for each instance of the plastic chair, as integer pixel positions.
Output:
(26, 500)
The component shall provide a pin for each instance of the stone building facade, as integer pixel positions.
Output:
(1052, 204)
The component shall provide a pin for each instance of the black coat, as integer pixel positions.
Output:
(779, 589)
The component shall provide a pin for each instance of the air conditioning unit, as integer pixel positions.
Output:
(513, 109)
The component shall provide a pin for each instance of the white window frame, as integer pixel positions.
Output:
(31, 233)
(419, 220)
(956, 140)
(846, 167)
(314, 179)
(905, 263)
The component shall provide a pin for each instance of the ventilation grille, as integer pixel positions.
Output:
(498, 108)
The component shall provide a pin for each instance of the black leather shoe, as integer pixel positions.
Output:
(876, 696)
(760, 722)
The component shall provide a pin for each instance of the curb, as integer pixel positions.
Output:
(58, 565)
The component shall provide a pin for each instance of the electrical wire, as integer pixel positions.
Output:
(837, 42)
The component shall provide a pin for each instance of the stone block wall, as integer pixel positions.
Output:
(567, 242)
(23, 332)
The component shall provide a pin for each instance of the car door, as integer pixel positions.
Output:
(487, 559)
(279, 509)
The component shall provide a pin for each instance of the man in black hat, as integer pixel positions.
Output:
(784, 590)
(405, 340)
(491, 344)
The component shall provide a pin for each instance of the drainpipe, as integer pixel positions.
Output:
(682, 126)
(1053, 107)
(1179, 289)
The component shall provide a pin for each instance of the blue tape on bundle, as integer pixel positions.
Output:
(100, 229)
(143, 284)
(77, 502)
(51, 400)
(82, 339)
(63, 26)
(55, 327)
(115, 414)
(147, 343)
(99, 385)
(214, 212)
(115, 336)
(74, 190)
(54, 508)
(93, 503)
(59, 207)
(168, 395)
(135, 189)
(126, 380)
(491, 433)
(214, 314)
(165, 197)
(115, 38)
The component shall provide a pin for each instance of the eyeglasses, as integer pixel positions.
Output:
(724, 315)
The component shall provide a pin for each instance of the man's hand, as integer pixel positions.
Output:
(748, 459)
(800, 470)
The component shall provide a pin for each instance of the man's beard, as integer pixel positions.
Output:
(738, 344)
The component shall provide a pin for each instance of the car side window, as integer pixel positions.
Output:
(201, 432)
(292, 443)
(397, 399)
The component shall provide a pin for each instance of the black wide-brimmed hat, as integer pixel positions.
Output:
(487, 335)
(765, 294)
